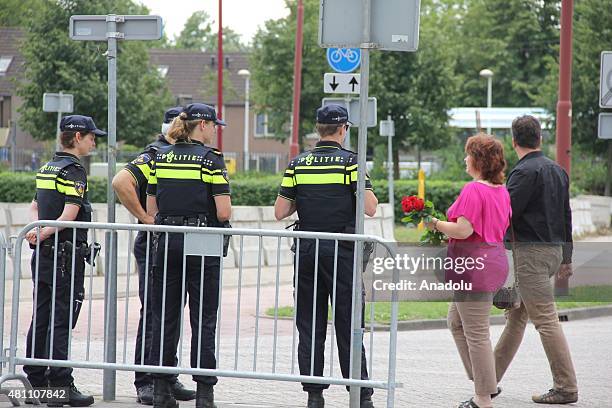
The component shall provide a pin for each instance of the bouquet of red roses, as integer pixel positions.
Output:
(417, 210)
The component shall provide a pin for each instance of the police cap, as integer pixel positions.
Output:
(172, 113)
(332, 115)
(202, 111)
(80, 123)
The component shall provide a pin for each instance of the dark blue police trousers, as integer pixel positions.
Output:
(140, 253)
(324, 296)
(173, 304)
(43, 301)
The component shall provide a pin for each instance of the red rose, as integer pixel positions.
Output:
(419, 204)
(412, 203)
(407, 204)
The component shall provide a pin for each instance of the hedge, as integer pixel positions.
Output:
(19, 188)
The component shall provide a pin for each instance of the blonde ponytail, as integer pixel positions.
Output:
(181, 128)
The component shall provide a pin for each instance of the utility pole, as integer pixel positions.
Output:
(564, 106)
(220, 77)
(297, 81)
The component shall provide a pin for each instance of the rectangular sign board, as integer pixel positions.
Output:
(394, 24)
(604, 128)
(93, 28)
(334, 83)
(354, 110)
(53, 103)
(605, 80)
(387, 128)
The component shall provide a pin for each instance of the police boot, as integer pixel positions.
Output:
(315, 399)
(162, 394)
(181, 393)
(366, 402)
(75, 398)
(205, 397)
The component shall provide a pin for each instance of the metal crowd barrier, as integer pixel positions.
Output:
(11, 375)
(230, 362)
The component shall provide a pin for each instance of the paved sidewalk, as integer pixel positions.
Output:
(428, 367)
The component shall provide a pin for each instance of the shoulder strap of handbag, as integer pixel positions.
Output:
(515, 284)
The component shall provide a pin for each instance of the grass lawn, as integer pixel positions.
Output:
(407, 234)
(596, 296)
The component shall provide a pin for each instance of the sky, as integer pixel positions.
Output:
(242, 16)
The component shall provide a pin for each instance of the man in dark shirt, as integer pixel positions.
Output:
(542, 231)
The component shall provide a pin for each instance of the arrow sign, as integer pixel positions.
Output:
(341, 83)
(334, 84)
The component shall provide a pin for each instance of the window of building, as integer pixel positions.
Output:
(5, 62)
(184, 99)
(261, 125)
(163, 70)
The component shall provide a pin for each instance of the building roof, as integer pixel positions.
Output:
(9, 53)
(495, 118)
(194, 73)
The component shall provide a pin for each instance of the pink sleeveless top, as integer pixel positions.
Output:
(488, 209)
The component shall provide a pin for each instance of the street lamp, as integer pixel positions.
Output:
(487, 73)
(247, 75)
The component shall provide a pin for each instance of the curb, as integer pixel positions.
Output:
(565, 315)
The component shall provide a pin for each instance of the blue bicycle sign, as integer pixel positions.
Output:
(344, 60)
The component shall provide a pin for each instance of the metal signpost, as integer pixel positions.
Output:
(354, 109)
(391, 25)
(343, 61)
(605, 80)
(604, 128)
(111, 28)
(60, 103)
(387, 128)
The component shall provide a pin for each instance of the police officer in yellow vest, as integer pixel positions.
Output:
(61, 194)
(321, 186)
(188, 186)
(130, 185)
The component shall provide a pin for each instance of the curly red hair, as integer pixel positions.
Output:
(487, 155)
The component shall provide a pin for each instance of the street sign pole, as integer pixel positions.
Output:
(347, 141)
(58, 143)
(110, 28)
(387, 128)
(392, 26)
(58, 132)
(60, 103)
(357, 341)
(109, 376)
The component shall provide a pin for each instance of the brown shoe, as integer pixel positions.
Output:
(555, 397)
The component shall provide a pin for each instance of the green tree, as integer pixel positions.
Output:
(15, 13)
(416, 89)
(196, 30)
(513, 39)
(55, 63)
(198, 34)
(272, 67)
(592, 35)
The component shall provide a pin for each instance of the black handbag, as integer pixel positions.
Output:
(509, 297)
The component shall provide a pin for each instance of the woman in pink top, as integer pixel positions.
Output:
(477, 223)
